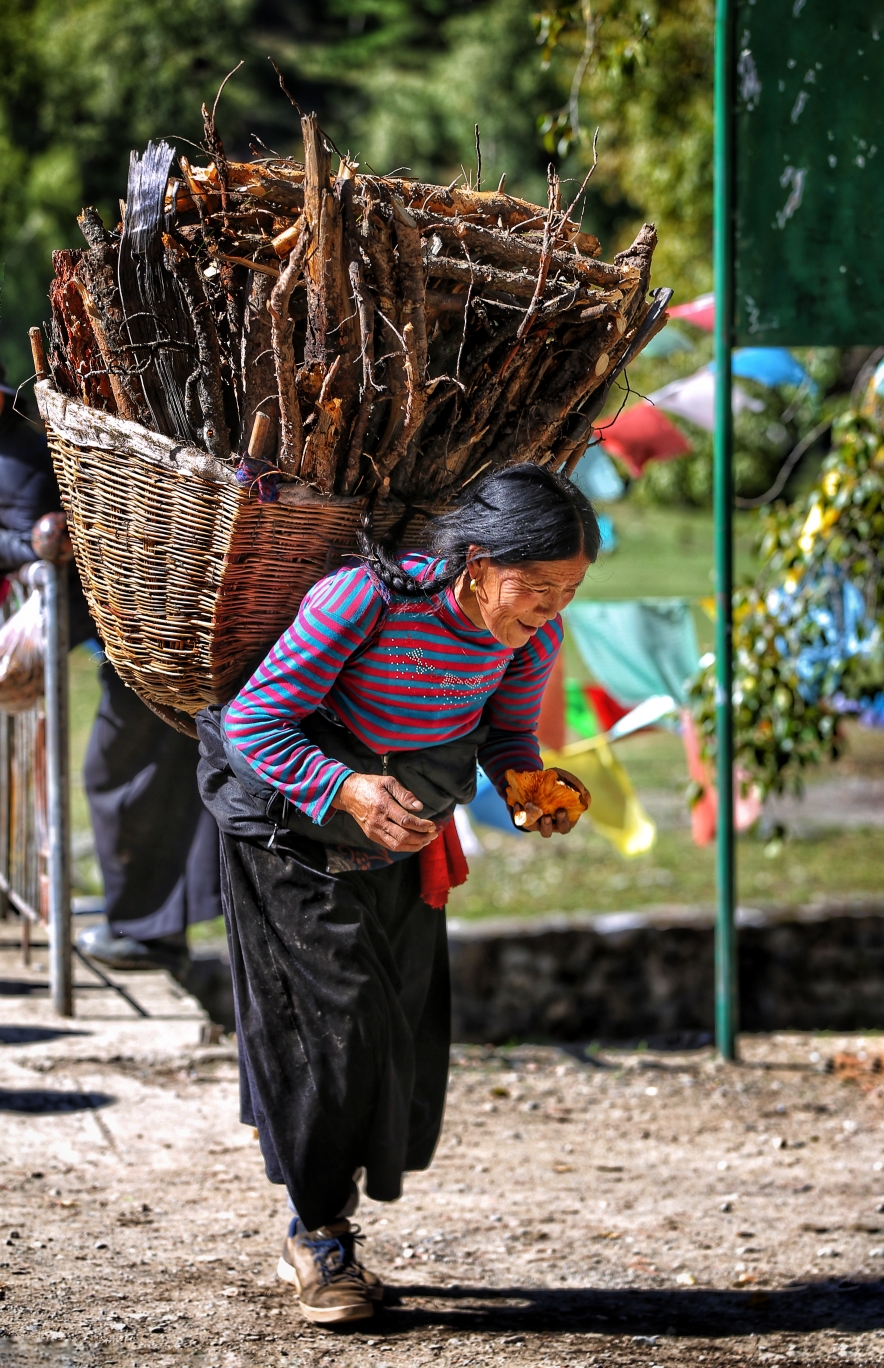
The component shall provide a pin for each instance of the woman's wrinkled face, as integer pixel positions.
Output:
(514, 601)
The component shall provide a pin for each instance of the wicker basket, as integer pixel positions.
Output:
(189, 579)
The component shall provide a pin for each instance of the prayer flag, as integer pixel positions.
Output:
(636, 648)
(641, 434)
(699, 311)
(693, 398)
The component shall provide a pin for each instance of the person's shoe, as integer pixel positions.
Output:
(332, 1285)
(124, 952)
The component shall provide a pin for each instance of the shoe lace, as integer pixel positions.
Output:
(346, 1264)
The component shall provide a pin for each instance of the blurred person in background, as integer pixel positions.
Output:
(156, 843)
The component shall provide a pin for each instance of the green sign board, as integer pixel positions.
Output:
(809, 144)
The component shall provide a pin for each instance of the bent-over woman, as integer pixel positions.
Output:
(333, 776)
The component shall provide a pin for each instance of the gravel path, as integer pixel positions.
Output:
(618, 1207)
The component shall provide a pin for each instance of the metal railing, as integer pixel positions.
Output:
(35, 842)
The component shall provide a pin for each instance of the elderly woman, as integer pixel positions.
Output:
(334, 775)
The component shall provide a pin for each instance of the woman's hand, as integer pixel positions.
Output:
(547, 823)
(386, 811)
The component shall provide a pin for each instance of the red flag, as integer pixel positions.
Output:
(641, 434)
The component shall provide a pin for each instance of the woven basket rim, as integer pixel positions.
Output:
(82, 426)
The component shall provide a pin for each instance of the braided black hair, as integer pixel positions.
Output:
(518, 514)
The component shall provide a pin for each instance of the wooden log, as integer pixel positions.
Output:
(499, 210)
(318, 464)
(291, 432)
(207, 374)
(38, 354)
(412, 282)
(259, 375)
(97, 274)
(510, 252)
(379, 249)
(260, 431)
(637, 258)
(515, 285)
(234, 281)
(323, 219)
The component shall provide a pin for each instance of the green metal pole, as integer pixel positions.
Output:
(725, 938)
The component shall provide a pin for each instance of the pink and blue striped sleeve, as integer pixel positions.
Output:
(335, 618)
(514, 707)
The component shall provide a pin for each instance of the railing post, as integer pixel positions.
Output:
(54, 584)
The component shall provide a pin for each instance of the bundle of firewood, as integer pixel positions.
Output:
(400, 337)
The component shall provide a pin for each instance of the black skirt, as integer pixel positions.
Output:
(343, 1008)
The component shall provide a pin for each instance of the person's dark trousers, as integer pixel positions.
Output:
(343, 1006)
(156, 843)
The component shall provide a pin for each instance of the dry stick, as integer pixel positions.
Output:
(214, 144)
(264, 268)
(260, 431)
(291, 432)
(415, 403)
(199, 193)
(545, 259)
(209, 387)
(501, 397)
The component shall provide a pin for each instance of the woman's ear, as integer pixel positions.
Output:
(477, 558)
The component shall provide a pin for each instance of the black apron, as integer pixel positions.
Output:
(341, 979)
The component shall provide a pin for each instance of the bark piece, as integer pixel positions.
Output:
(75, 358)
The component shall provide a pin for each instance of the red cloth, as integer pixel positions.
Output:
(607, 710)
(700, 312)
(641, 434)
(704, 812)
(443, 866)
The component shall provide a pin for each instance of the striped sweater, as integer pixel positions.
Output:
(424, 675)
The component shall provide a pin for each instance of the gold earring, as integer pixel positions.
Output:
(473, 585)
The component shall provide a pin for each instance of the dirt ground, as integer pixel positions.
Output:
(585, 1207)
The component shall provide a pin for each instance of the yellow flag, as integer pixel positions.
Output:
(616, 811)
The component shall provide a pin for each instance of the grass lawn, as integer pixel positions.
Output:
(84, 696)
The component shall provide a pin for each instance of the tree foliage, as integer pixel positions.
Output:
(396, 81)
(81, 83)
(641, 72)
(810, 630)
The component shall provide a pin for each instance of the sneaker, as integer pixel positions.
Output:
(331, 1283)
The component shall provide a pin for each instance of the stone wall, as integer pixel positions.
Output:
(649, 975)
